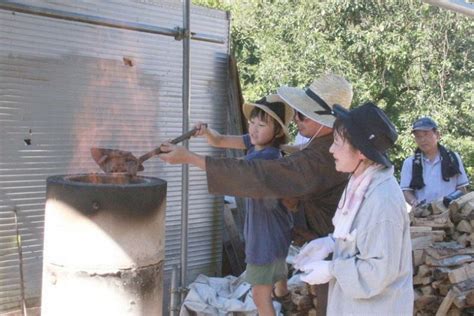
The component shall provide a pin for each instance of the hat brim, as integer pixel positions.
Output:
(358, 138)
(248, 107)
(423, 129)
(301, 102)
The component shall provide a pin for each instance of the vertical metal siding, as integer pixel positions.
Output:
(65, 86)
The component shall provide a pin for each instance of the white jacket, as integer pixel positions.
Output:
(373, 272)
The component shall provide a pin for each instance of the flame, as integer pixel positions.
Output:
(117, 110)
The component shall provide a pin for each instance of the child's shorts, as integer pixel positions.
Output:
(267, 274)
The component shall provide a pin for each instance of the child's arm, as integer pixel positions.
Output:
(214, 138)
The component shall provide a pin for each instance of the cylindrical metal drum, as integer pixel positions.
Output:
(103, 245)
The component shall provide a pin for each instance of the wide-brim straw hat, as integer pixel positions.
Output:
(269, 105)
(316, 101)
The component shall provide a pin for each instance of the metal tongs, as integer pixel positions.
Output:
(120, 161)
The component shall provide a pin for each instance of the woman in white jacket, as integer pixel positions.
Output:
(371, 269)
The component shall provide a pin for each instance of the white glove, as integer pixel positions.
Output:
(317, 272)
(317, 249)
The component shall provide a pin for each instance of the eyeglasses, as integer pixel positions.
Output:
(300, 116)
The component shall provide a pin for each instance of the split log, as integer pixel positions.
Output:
(460, 202)
(462, 290)
(442, 287)
(312, 312)
(416, 231)
(464, 226)
(447, 249)
(471, 239)
(439, 221)
(465, 286)
(300, 289)
(463, 239)
(464, 273)
(427, 290)
(447, 262)
(427, 304)
(470, 299)
(424, 270)
(446, 304)
(423, 210)
(302, 302)
(422, 280)
(438, 235)
(418, 258)
(454, 311)
(441, 273)
(467, 209)
(421, 242)
(438, 207)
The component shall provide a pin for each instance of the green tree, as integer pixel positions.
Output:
(412, 59)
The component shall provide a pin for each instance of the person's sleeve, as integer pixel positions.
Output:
(462, 180)
(246, 139)
(377, 264)
(291, 176)
(406, 174)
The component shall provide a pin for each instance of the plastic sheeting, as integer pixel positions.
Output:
(220, 296)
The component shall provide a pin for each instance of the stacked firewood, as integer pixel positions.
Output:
(304, 298)
(443, 257)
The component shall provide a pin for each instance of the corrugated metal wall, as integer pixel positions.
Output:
(64, 88)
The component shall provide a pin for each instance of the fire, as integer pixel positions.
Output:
(117, 108)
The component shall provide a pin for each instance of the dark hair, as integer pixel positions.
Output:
(340, 129)
(277, 129)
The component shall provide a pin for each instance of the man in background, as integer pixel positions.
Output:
(433, 171)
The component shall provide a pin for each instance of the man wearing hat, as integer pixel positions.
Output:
(433, 171)
(308, 175)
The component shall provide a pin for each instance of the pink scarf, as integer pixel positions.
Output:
(350, 202)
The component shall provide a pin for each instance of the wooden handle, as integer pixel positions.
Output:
(175, 141)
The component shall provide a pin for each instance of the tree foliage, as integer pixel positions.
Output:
(412, 59)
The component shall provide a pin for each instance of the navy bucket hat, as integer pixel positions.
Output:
(370, 129)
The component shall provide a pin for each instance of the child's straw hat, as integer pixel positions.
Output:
(274, 106)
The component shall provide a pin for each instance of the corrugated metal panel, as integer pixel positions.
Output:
(64, 87)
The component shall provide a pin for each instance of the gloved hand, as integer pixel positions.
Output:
(317, 272)
(317, 249)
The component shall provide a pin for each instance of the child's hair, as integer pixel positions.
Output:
(277, 129)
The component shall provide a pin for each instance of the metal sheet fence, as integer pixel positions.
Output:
(67, 86)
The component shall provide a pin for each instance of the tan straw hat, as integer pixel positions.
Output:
(317, 100)
(274, 106)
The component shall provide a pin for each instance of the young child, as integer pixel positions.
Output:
(268, 223)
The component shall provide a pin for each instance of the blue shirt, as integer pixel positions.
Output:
(267, 228)
(435, 187)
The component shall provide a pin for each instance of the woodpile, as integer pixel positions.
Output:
(443, 257)
(304, 298)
